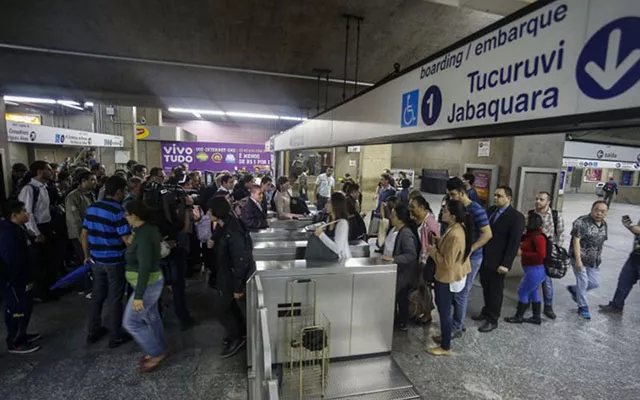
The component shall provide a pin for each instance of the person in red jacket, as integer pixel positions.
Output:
(533, 251)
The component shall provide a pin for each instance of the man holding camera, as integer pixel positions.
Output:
(173, 207)
(630, 273)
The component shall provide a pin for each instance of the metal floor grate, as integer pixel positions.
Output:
(376, 378)
(408, 393)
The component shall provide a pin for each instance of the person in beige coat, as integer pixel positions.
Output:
(451, 256)
(282, 199)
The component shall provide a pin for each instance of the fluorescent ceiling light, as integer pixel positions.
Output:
(11, 103)
(88, 104)
(192, 111)
(251, 115)
(71, 104)
(20, 99)
(234, 114)
(292, 118)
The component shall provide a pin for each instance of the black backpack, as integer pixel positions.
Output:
(608, 187)
(357, 228)
(557, 261)
(299, 206)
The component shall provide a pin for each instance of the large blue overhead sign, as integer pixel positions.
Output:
(561, 59)
(542, 65)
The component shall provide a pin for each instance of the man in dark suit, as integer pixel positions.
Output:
(254, 214)
(507, 226)
(243, 187)
(266, 184)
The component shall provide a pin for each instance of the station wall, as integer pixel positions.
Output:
(208, 131)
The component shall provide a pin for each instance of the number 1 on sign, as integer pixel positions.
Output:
(429, 101)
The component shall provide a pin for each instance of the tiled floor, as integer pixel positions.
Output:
(564, 359)
(568, 358)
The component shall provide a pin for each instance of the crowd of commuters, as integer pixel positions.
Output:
(135, 232)
(141, 231)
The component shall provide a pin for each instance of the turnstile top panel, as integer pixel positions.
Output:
(304, 267)
(280, 244)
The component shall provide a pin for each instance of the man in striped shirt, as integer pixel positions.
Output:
(105, 235)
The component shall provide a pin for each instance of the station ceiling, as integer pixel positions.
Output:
(287, 36)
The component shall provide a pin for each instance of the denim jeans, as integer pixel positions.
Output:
(461, 299)
(443, 301)
(547, 291)
(146, 326)
(108, 286)
(586, 279)
(529, 289)
(322, 201)
(629, 275)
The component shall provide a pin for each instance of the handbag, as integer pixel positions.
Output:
(383, 229)
(165, 249)
(373, 226)
(429, 271)
(318, 251)
(203, 228)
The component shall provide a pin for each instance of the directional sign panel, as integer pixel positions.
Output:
(561, 59)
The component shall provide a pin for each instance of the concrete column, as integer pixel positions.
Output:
(374, 160)
(346, 163)
(5, 165)
(121, 123)
(534, 151)
(150, 116)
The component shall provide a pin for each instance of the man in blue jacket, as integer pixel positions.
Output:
(17, 278)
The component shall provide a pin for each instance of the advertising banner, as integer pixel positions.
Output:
(215, 156)
(482, 185)
(40, 134)
(593, 175)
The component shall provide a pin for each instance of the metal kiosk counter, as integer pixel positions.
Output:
(354, 300)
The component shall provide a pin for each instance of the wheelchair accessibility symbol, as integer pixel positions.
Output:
(410, 109)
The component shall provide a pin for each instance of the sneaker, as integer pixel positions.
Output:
(439, 351)
(609, 309)
(24, 348)
(96, 336)
(88, 296)
(403, 327)
(32, 337)
(584, 313)
(456, 334)
(572, 291)
(233, 347)
(124, 338)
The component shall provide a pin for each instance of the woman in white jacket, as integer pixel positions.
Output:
(336, 234)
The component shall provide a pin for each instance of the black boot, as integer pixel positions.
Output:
(517, 319)
(548, 311)
(535, 319)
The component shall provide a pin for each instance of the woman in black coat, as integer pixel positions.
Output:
(405, 255)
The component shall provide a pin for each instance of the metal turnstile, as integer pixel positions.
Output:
(358, 298)
(295, 250)
(279, 235)
(291, 224)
